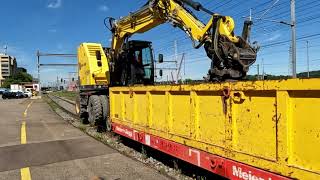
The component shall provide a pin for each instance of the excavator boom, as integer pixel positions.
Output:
(231, 55)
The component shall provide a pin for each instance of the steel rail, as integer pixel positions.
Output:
(54, 98)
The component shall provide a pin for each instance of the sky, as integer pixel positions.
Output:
(59, 26)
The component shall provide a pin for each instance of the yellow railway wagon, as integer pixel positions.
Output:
(240, 130)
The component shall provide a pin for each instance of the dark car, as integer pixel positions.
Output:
(20, 95)
(9, 95)
(13, 95)
(2, 90)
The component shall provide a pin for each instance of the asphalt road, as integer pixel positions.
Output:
(35, 143)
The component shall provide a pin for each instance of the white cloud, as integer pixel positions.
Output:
(59, 46)
(104, 8)
(274, 37)
(52, 30)
(55, 4)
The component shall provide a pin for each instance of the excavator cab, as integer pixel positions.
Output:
(137, 63)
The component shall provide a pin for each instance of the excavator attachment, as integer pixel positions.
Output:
(231, 56)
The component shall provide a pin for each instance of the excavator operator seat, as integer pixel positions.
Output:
(140, 58)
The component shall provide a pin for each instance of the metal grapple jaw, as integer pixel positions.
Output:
(241, 53)
(231, 57)
(235, 64)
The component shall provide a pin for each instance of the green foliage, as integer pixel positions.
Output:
(313, 74)
(187, 81)
(67, 94)
(19, 77)
(266, 77)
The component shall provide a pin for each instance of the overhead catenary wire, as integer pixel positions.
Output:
(306, 15)
(185, 38)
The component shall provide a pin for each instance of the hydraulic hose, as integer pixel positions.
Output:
(196, 5)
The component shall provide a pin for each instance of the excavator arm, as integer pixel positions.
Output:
(231, 55)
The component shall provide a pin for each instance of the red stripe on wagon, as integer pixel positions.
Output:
(216, 164)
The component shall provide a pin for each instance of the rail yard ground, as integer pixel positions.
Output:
(36, 143)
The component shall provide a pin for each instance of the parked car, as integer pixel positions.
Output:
(28, 93)
(13, 95)
(20, 94)
(9, 95)
(2, 90)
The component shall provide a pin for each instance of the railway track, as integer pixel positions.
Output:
(65, 104)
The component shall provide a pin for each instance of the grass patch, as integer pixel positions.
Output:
(52, 104)
(82, 127)
(98, 136)
(66, 94)
(162, 170)
(144, 152)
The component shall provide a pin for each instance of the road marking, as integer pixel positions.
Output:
(25, 174)
(26, 111)
(23, 133)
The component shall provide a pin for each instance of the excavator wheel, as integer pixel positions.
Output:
(77, 105)
(94, 110)
(81, 110)
(106, 112)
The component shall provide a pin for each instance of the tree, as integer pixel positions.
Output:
(188, 81)
(18, 78)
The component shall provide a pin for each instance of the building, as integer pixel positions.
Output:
(31, 85)
(72, 86)
(8, 66)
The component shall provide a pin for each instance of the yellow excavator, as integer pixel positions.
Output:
(231, 55)
(129, 62)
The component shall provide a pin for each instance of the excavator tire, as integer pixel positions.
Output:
(94, 110)
(77, 105)
(106, 111)
(81, 110)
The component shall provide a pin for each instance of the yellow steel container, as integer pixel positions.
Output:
(272, 125)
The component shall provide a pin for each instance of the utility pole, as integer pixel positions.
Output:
(262, 68)
(258, 72)
(308, 70)
(175, 51)
(59, 64)
(155, 69)
(38, 64)
(175, 45)
(184, 68)
(57, 83)
(173, 81)
(290, 61)
(292, 24)
(179, 69)
(5, 49)
(293, 37)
